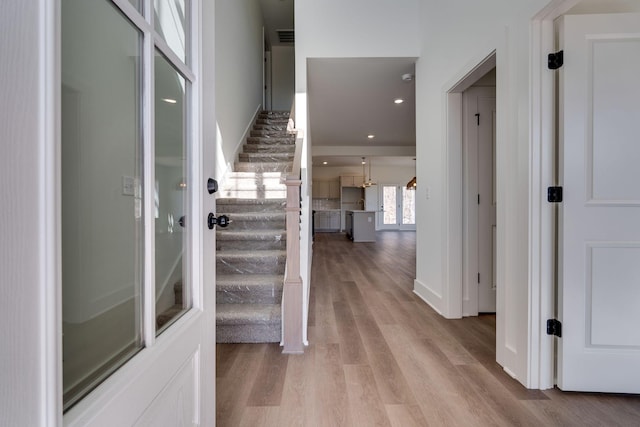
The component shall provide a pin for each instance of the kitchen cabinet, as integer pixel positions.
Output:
(351, 181)
(326, 189)
(334, 189)
(326, 221)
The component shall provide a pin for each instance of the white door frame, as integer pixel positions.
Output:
(454, 205)
(541, 213)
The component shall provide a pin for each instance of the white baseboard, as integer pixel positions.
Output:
(427, 295)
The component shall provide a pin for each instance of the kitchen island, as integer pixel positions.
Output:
(361, 225)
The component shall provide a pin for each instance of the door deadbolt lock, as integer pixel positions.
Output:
(212, 185)
(221, 221)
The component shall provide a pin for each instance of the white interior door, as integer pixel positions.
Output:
(138, 321)
(487, 204)
(599, 226)
(479, 142)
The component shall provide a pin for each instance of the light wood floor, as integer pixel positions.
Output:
(379, 356)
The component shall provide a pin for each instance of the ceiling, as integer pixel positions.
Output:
(276, 15)
(350, 98)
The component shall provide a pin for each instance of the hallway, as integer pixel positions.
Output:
(380, 356)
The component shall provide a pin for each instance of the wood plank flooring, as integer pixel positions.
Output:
(379, 356)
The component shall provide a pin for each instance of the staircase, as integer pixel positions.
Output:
(251, 251)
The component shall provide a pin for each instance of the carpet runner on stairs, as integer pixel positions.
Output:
(251, 251)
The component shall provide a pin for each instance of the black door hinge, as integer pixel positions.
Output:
(555, 60)
(554, 194)
(554, 327)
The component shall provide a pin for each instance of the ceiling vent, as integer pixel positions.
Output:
(286, 36)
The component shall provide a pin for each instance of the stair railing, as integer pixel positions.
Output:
(292, 289)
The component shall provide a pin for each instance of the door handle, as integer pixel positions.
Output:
(222, 221)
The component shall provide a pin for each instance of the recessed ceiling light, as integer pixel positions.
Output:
(324, 163)
(398, 100)
(371, 136)
(169, 100)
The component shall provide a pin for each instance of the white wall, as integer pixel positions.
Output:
(354, 29)
(456, 35)
(239, 67)
(282, 77)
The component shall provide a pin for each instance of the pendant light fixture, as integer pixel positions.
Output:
(369, 182)
(411, 185)
(364, 175)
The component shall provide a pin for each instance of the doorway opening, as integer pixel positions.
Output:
(471, 117)
(479, 196)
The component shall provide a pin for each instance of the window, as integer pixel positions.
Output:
(124, 184)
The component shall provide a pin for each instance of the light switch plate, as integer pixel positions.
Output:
(128, 186)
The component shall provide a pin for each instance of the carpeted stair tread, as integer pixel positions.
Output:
(167, 315)
(249, 289)
(236, 280)
(248, 314)
(250, 235)
(263, 166)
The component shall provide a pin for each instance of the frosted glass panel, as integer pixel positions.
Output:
(171, 193)
(101, 194)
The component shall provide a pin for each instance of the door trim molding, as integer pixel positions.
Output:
(540, 374)
(453, 247)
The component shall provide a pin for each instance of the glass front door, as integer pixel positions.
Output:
(397, 209)
(126, 197)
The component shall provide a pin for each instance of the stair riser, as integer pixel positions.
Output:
(235, 206)
(250, 266)
(271, 127)
(248, 333)
(253, 183)
(239, 225)
(271, 148)
(258, 245)
(276, 133)
(268, 140)
(263, 167)
(273, 114)
(224, 296)
(265, 157)
(251, 194)
(272, 121)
